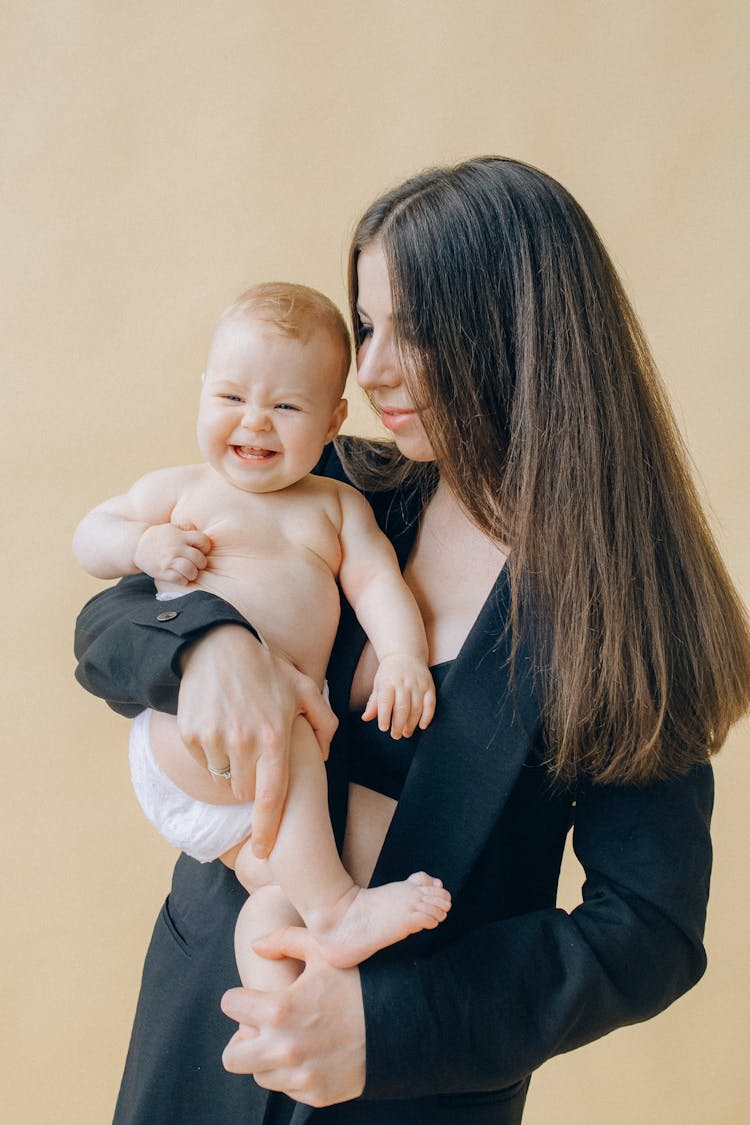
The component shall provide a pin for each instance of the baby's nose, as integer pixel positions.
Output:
(256, 420)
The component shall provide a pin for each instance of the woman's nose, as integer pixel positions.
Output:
(377, 365)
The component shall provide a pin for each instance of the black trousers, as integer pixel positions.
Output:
(508, 1111)
(173, 1074)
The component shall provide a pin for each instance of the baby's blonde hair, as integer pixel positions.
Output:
(295, 310)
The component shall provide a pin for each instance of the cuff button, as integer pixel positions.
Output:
(169, 616)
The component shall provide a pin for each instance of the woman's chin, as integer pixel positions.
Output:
(415, 446)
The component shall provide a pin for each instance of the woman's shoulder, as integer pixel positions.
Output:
(345, 458)
(395, 488)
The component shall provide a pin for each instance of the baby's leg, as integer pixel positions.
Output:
(349, 922)
(266, 909)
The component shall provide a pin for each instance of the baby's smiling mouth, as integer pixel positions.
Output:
(254, 452)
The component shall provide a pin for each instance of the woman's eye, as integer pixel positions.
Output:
(365, 330)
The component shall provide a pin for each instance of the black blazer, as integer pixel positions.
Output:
(456, 1017)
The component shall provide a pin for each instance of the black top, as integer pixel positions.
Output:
(378, 761)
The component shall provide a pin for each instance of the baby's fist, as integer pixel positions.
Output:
(172, 554)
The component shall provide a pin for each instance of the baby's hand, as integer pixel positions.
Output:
(172, 554)
(403, 695)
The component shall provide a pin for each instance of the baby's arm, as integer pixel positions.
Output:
(132, 533)
(403, 694)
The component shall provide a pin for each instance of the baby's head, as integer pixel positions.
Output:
(297, 311)
(272, 389)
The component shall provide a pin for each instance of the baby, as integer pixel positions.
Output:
(253, 526)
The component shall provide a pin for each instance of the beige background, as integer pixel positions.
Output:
(157, 157)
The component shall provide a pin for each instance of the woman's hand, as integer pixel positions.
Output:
(236, 707)
(308, 1039)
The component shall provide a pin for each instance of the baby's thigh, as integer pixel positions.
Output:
(174, 758)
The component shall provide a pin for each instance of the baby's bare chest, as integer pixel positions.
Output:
(276, 558)
(299, 529)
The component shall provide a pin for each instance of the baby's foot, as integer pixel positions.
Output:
(366, 920)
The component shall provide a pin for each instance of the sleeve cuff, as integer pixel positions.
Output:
(137, 664)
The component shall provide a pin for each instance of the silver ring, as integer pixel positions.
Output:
(225, 775)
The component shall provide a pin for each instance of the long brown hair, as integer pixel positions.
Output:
(550, 423)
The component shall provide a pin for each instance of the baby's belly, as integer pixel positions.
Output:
(293, 604)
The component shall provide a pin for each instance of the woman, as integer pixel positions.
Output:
(590, 654)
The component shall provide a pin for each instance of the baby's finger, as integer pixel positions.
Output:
(371, 709)
(406, 713)
(386, 698)
(184, 525)
(429, 704)
(400, 712)
(193, 535)
(196, 557)
(200, 541)
(186, 569)
(172, 575)
(413, 700)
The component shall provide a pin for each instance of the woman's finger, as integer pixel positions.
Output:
(271, 784)
(288, 941)
(317, 710)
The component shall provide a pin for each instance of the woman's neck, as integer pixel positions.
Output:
(451, 570)
(445, 519)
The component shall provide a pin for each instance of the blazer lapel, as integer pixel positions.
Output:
(301, 1114)
(467, 761)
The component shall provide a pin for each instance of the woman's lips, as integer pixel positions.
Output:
(395, 419)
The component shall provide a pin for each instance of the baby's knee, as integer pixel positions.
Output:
(271, 900)
(253, 873)
(266, 910)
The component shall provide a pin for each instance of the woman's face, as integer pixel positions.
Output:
(378, 365)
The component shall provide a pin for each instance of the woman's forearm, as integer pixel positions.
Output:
(493, 1006)
(237, 701)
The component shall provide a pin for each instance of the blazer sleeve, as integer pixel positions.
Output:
(489, 1008)
(128, 645)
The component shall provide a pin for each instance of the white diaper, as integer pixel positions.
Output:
(201, 830)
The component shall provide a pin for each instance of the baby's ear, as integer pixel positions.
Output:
(337, 418)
